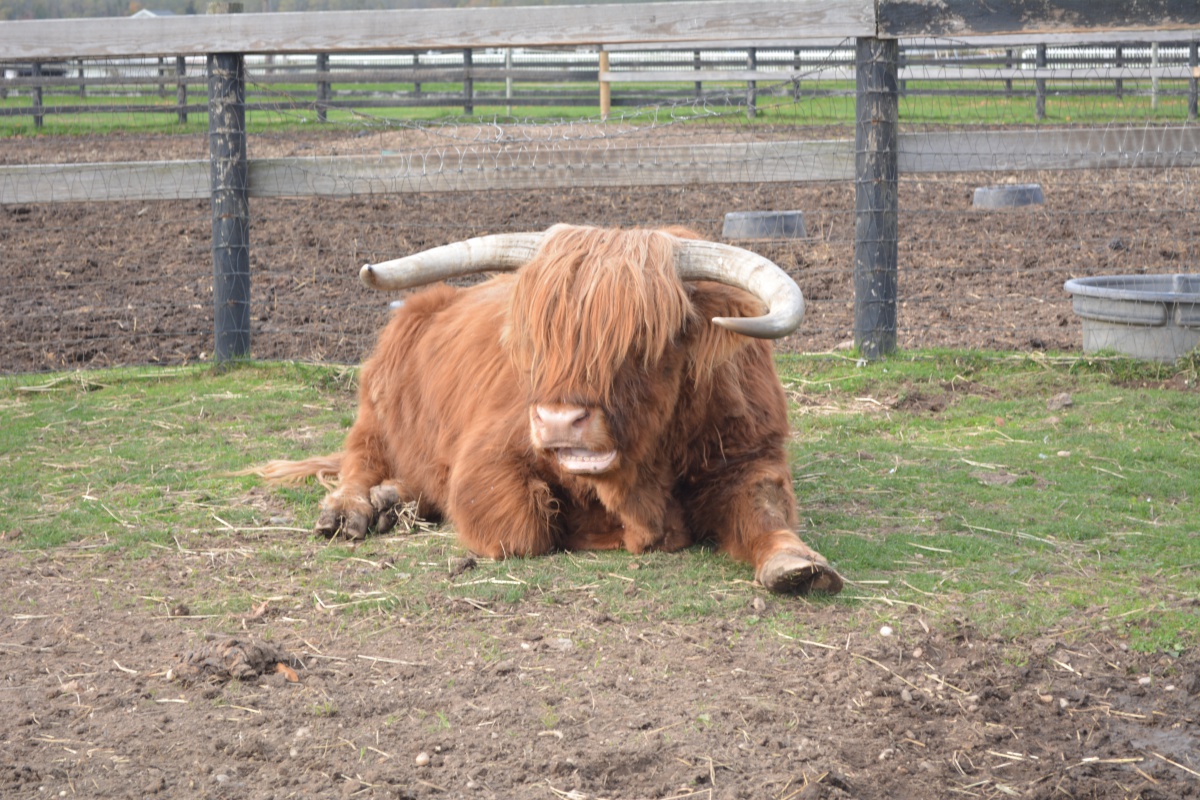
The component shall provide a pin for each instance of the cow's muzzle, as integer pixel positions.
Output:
(571, 433)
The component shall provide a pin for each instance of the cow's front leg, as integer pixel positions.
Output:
(751, 512)
(650, 517)
(501, 509)
(656, 524)
(348, 512)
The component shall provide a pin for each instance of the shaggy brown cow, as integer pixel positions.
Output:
(606, 395)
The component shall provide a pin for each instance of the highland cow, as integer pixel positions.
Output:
(612, 389)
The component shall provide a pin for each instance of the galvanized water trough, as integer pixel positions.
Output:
(1010, 195)
(1154, 317)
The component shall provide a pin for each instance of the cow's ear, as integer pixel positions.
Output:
(711, 345)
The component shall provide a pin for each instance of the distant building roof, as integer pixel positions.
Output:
(145, 12)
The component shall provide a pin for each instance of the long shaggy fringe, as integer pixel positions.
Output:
(590, 300)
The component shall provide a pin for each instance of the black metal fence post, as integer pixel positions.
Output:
(230, 207)
(876, 199)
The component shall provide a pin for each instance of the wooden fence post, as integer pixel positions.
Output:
(468, 84)
(876, 199)
(35, 71)
(508, 81)
(181, 88)
(605, 87)
(1194, 83)
(1039, 111)
(751, 86)
(699, 88)
(1154, 78)
(322, 86)
(796, 66)
(230, 207)
(1008, 62)
(1118, 84)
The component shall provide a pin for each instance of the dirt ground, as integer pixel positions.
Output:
(111, 688)
(99, 284)
(111, 692)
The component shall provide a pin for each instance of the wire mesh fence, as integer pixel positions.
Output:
(106, 226)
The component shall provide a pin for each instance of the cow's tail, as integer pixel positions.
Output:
(324, 468)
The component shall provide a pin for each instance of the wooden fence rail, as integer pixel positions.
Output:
(396, 80)
(517, 166)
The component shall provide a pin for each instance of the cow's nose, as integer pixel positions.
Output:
(559, 423)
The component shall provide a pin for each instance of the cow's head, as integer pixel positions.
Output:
(595, 325)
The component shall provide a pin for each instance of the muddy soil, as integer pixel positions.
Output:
(108, 691)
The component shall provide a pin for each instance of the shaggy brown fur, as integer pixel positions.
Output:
(693, 417)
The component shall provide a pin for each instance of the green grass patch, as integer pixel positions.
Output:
(1014, 494)
(816, 103)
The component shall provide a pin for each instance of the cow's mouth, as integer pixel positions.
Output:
(584, 462)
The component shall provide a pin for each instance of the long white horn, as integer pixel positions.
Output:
(501, 252)
(713, 261)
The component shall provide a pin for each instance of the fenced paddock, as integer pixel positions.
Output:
(108, 223)
(1019, 618)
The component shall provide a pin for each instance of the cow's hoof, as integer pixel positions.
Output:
(343, 523)
(792, 573)
(386, 500)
